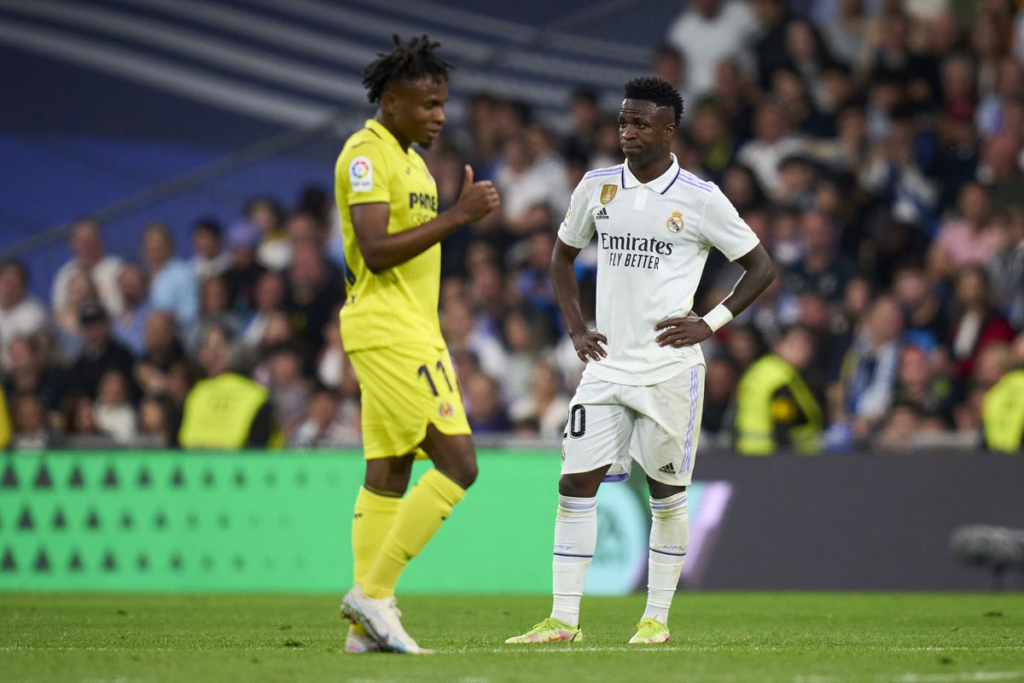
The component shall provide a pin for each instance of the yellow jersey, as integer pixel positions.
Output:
(399, 304)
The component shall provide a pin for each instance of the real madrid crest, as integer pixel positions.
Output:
(608, 193)
(675, 222)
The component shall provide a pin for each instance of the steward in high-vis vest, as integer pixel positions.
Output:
(774, 407)
(1002, 413)
(226, 411)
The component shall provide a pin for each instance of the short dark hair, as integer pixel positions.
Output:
(661, 93)
(210, 225)
(405, 62)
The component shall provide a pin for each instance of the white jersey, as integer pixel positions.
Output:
(653, 240)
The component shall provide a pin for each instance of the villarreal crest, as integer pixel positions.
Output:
(608, 193)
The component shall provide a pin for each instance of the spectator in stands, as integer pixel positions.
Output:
(972, 239)
(844, 35)
(326, 425)
(20, 313)
(156, 423)
(709, 31)
(226, 411)
(80, 289)
(484, 407)
(27, 373)
(532, 181)
(863, 393)
(334, 369)
(161, 353)
(208, 257)
(544, 411)
(773, 142)
(719, 389)
(114, 413)
(669, 64)
(927, 320)
(214, 309)
(243, 271)
(29, 418)
(822, 269)
(774, 407)
(1003, 411)
(289, 392)
(463, 333)
(314, 292)
(91, 259)
(921, 387)
(100, 352)
(172, 283)
(130, 323)
(268, 217)
(977, 324)
(714, 138)
(269, 297)
(1006, 269)
(1001, 169)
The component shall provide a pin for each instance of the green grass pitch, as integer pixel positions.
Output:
(790, 637)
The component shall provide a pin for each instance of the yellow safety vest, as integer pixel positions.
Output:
(219, 412)
(771, 396)
(1002, 413)
(5, 422)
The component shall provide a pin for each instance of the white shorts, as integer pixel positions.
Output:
(657, 425)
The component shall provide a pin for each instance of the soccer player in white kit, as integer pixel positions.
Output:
(642, 391)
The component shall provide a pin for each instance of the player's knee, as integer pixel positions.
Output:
(580, 485)
(464, 472)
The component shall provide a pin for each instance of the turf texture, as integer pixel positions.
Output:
(791, 637)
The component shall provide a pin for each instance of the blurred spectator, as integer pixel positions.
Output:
(669, 64)
(288, 390)
(1006, 269)
(821, 270)
(156, 422)
(863, 393)
(970, 240)
(334, 370)
(326, 424)
(774, 407)
(977, 324)
(545, 410)
(30, 431)
(927, 321)
(844, 34)
(214, 310)
(463, 334)
(172, 283)
(80, 289)
(226, 411)
(773, 141)
(719, 390)
(28, 373)
(243, 271)
(314, 291)
(770, 46)
(161, 352)
(269, 297)
(709, 31)
(130, 323)
(100, 352)
(532, 181)
(894, 173)
(90, 258)
(114, 413)
(208, 257)
(267, 216)
(20, 313)
(1001, 169)
(921, 388)
(991, 114)
(523, 349)
(484, 407)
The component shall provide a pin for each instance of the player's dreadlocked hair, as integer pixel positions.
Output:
(651, 89)
(404, 62)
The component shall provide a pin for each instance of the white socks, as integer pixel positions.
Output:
(575, 540)
(670, 534)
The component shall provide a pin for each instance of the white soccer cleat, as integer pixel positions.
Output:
(380, 618)
(358, 641)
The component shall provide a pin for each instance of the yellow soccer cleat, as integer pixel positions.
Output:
(649, 632)
(550, 630)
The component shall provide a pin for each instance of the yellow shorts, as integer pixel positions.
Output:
(403, 390)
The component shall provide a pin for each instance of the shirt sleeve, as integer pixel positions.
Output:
(578, 225)
(722, 227)
(362, 176)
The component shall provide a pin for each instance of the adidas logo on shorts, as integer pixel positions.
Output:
(603, 213)
(668, 469)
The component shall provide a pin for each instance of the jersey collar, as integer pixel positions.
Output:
(659, 184)
(383, 133)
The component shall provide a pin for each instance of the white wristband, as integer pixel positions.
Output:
(718, 317)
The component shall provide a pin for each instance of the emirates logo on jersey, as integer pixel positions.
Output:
(675, 222)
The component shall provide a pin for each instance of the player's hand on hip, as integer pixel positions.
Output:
(588, 345)
(684, 331)
(477, 199)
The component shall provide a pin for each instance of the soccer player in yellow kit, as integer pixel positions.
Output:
(410, 398)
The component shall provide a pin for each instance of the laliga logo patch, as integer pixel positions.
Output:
(608, 193)
(675, 222)
(360, 174)
(445, 410)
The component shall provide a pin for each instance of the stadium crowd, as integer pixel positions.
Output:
(875, 148)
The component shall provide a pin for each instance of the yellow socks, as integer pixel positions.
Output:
(373, 519)
(419, 517)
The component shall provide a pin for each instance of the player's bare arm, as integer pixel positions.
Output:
(381, 250)
(759, 271)
(587, 342)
